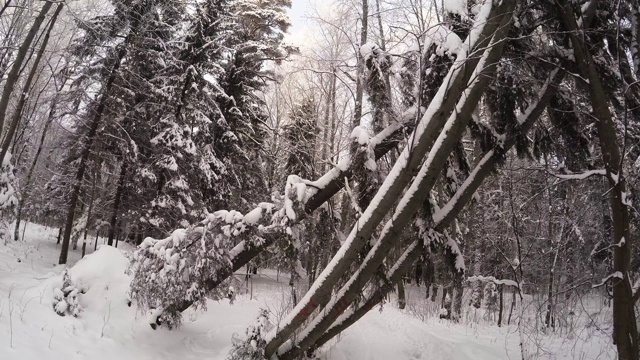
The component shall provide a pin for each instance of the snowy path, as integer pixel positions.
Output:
(109, 329)
(391, 334)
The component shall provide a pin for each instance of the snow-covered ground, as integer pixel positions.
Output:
(109, 329)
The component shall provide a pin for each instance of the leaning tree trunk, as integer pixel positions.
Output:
(16, 68)
(486, 165)
(476, 66)
(84, 156)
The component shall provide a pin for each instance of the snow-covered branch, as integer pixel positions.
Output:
(615, 275)
(581, 176)
(494, 280)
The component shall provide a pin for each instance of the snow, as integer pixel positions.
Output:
(493, 280)
(109, 329)
(6, 160)
(446, 40)
(583, 175)
(367, 50)
(456, 7)
(292, 188)
(624, 198)
(253, 216)
(361, 135)
(615, 275)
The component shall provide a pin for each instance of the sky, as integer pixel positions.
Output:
(299, 23)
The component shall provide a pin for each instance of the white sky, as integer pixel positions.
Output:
(299, 23)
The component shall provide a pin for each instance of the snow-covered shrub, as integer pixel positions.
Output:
(251, 346)
(491, 296)
(8, 198)
(66, 298)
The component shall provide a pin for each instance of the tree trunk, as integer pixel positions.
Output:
(625, 331)
(549, 318)
(116, 204)
(500, 304)
(635, 38)
(477, 293)
(89, 212)
(458, 291)
(14, 73)
(413, 198)
(84, 157)
(513, 305)
(357, 113)
(402, 298)
(443, 299)
(408, 163)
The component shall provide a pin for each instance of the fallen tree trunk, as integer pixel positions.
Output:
(443, 219)
(415, 195)
(322, 189)
(407, 166)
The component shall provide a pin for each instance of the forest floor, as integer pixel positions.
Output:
(109, 329)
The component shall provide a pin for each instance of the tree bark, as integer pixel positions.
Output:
(501, 303)
(357, 113)
(89, 212)
(402, 297)
(513, 305)
(635, 38)
(116, 204)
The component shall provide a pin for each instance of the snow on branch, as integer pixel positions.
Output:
(581, 176)
(215, 248)
(8, 196)
(615, 275)
(177, 268)
(635, 291)
(492, 279)
(445, 40)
